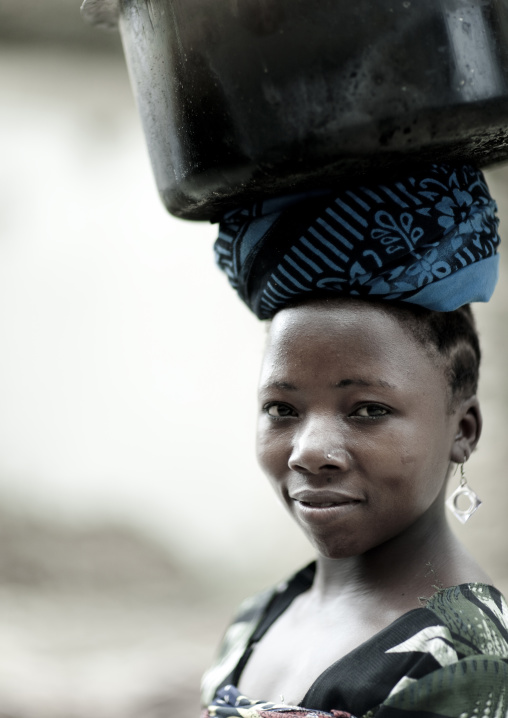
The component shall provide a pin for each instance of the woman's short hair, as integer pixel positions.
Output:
(450, 336)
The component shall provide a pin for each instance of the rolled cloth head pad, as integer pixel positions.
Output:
(429, 238)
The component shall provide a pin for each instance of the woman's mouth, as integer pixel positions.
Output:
(312, 510)
(315, 505)
(323, 499)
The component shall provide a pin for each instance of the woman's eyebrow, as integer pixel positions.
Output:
(362, 382)
(282, 385)
(287, 386)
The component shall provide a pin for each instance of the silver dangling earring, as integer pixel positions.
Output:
(463, 492)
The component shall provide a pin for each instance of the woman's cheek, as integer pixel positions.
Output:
(262, 443)
(270, 453)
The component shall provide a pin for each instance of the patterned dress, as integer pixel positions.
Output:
(447, 659)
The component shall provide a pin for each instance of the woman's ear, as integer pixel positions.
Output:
(469, 428)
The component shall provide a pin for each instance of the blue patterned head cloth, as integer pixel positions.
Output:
(429, 238)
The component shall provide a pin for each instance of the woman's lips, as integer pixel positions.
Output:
(313, 507)
(324, 513)
(323, 498)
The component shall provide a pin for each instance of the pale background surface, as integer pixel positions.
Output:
(133, 515)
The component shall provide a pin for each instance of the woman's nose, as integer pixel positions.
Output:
(318, 448)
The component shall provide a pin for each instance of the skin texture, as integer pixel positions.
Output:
(356, 437)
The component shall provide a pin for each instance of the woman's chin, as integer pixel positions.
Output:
(336, 550)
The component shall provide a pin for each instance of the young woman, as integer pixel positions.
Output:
(365, 408)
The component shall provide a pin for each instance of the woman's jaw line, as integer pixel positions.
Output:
(426, 542)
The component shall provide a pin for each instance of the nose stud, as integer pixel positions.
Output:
(336, 455)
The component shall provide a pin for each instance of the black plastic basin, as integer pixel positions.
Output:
(243, 98)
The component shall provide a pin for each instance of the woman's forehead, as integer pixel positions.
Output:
(346, 333)
(332, 317)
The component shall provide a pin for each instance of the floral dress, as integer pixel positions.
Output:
(448, 659)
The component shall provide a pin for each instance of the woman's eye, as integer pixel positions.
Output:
(279, 411)
(371, 411)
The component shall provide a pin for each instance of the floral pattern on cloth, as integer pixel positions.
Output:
(230, 703)
(448, 659)
(429, 238)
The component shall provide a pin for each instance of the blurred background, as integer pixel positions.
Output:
(133, 516)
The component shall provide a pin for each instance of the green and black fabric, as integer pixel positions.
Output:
(448, 659)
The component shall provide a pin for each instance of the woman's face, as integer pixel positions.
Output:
(354, 431)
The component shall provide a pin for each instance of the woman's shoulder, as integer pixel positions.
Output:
(455, 623)
(234, 643)
(458, 638)
(253, 617)
(476, 616)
